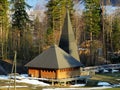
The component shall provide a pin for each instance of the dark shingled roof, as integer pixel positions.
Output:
(53, 58)
(67, 40)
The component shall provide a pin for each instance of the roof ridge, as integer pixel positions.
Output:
(55, 47)
(54, 58)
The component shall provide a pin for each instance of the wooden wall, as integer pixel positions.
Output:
(54, 74)
(33, 72)
(48, 74)
(68, 73)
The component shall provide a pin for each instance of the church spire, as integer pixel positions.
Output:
(67, 40)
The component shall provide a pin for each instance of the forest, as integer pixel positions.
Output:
(97, 32)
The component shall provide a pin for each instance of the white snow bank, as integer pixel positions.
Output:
(78, 85)
(24, 79)
(103, 84)
(114, 71)
(3, 77)
(92, 88)
(33, 82)
(105, 71)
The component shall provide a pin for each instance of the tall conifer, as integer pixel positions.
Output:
(3, 28)
(56, 13)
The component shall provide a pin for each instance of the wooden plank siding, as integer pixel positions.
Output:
(54, 74)
(34, 72)
(68, 73)
(48, 74)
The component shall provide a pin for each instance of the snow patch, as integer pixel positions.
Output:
(105, 71)
(78, 85)
(24, 79)
(33, 82)
(92, 88)
(103, 84)
(3, 77)
(114, 71)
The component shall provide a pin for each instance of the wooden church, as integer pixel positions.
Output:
(58, 62)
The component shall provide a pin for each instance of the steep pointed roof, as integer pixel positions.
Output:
(53, 58)
(67, 40)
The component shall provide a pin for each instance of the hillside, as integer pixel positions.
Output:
(6, 68)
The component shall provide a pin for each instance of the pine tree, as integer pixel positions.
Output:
(56, 13)
(20, 28)
(39, 34)
(92, 25)
(116, 34)
(3, 28)
(20, 17)
(92, 17)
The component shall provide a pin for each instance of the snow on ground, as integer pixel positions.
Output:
(105, 71)
(25, 79)
(103, 84)
(78, 85)
(92, 88)
(3, 77)
(33, 82)
(114, 71)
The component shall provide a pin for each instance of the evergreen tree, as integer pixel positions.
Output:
(92, 26)
(3, 28)
(39, 34)
(116, 34)
(53, 20)
(92, 17)
(56, 13)
(20, 29)
(20, 17)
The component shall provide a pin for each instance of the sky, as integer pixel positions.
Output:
(34, 2)
(42, 3)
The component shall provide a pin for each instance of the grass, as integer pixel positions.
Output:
(107, 77)
(92, 82)
(113, 89)
(29, 87)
